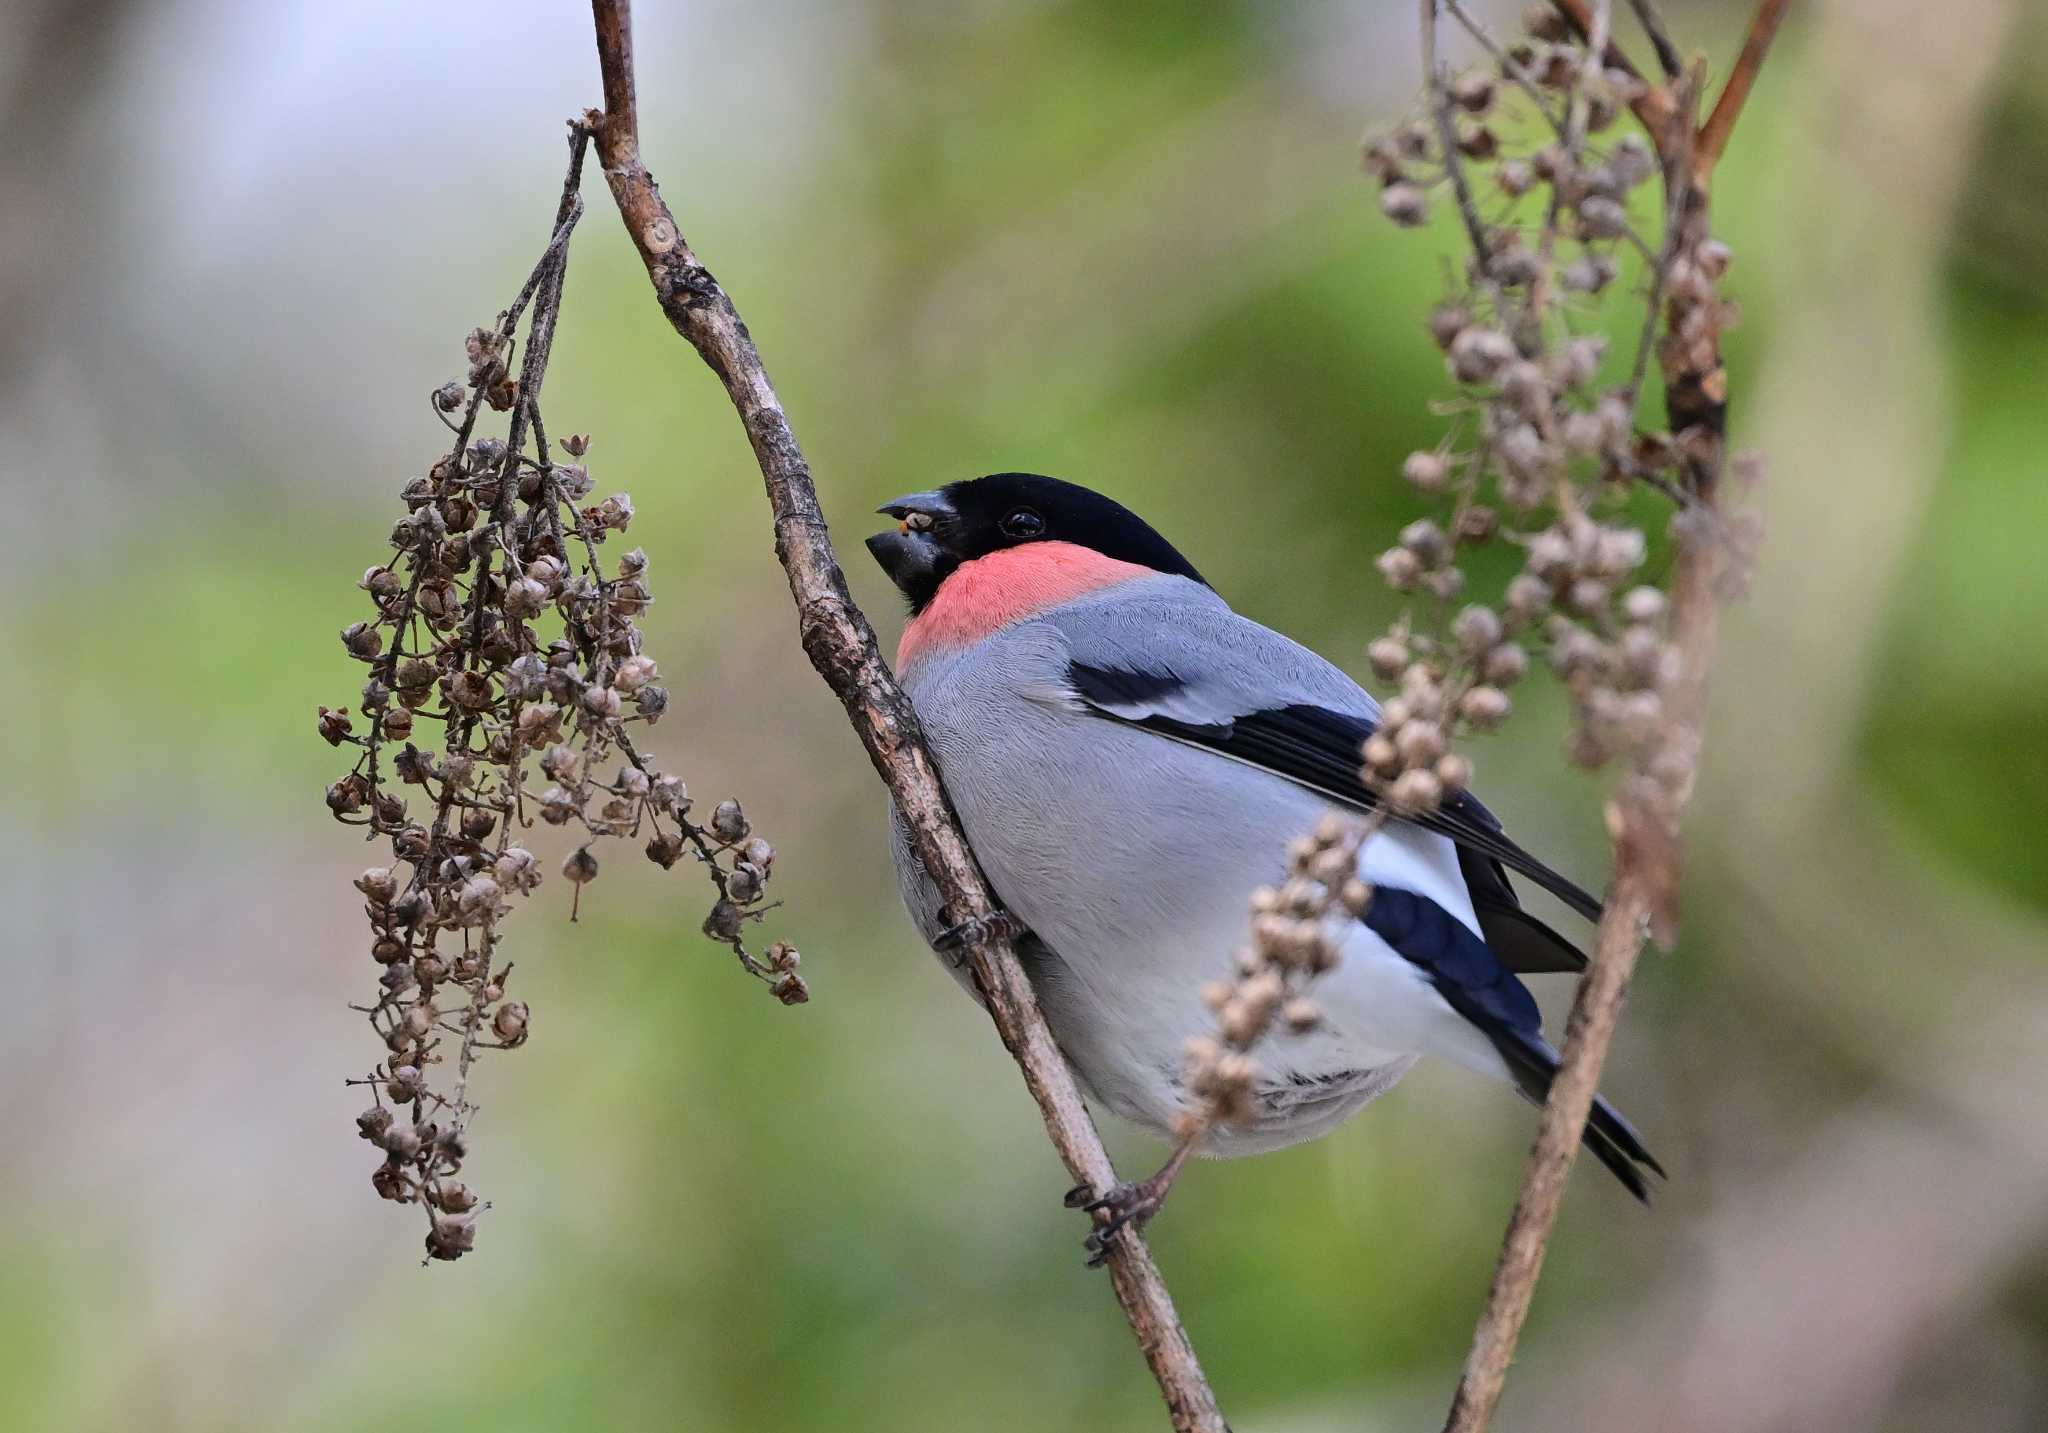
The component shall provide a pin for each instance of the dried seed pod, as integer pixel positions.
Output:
(634, 673)
(510, 1022)
(1485, 707)
(1527, 596)
(1427, 471)
(362, 640)
(724, 921)
(1404, 203)
(404, 1084)
(1401, 568)
(1476, 523)
(1454, 771)
(451, 1238)
(729, 822)
(1477, 629)
(1473, 91)
(1446, 322)
(1416, 790)
(1478, 354)
(1506, 664)
(335, 726)
(1590, 273)
(478, 897)
(1388, 657)
(391, 1183)
(1426, 540)
(1643, 604)
(400, 1140)
(452, 1196)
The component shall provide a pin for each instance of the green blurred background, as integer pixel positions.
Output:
(1124, 243)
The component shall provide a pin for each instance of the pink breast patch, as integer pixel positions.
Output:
(990, 593)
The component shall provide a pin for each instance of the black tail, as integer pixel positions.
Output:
(1470, 977)
(1611, 1138)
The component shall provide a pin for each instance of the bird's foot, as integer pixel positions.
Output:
(1127, 1205)
(957, 940)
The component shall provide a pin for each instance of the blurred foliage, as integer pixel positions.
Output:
(1125, 244)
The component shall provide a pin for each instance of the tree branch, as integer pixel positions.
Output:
(1713, 138)
(1643, 819)
(841, 644)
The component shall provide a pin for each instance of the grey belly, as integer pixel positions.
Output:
(1133, 858)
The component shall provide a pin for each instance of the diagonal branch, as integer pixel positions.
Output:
(1763, 28)
(841, 645)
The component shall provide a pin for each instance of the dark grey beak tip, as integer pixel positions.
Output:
(909, 557)
(890, 549)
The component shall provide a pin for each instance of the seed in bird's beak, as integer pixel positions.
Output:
(918, 522)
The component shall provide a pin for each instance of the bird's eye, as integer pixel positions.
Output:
(1023, 522)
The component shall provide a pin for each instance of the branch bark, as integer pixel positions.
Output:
(1713, 138)
(1643, 819)
(841, 644)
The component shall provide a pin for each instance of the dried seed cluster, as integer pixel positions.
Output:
(1545, 449)
(1295, 929)
(506, 681)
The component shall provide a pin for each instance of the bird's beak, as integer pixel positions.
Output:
(932, 504)
(911, 553)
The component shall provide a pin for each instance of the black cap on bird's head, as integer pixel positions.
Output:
(973, 518)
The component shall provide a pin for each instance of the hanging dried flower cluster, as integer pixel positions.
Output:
(1544, 451)
(506, 682)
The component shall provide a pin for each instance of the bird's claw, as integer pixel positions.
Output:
(956, 940)
(1128, 1206)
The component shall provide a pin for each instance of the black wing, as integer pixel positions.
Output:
(1528, 945)
(1318, 748)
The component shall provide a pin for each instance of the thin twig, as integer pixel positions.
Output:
(1437, 79)
(1660, 269)
(841, 644)
(1591, 1026)
(1668, 58)
(1763, 28)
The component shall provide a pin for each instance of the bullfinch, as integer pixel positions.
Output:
(1129, 759)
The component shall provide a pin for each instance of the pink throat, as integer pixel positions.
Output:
(992, 592)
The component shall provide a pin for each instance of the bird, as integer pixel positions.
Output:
(1129, 758)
